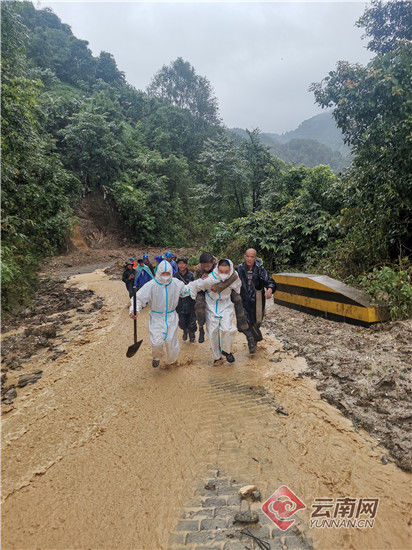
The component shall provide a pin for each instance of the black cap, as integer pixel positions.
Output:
(206, 258)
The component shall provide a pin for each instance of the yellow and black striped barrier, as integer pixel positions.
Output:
(322, 295)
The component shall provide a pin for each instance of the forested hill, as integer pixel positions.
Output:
(321, 128)
(316, 140)
(72, 126)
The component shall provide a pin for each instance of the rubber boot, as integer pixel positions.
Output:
(192, 338)
(257, 335)
(250, 341)
(184, 335)
(201, 335)
(155, 362)
(229, 357)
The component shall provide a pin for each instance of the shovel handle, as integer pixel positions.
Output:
(134, 312)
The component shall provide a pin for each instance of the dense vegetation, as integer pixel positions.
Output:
(177, 176)
(315, 141)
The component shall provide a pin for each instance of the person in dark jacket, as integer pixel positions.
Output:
(255, 280)
(129, 274)
(186, 306)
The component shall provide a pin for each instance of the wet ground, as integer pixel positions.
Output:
(107, 452)
(364, 372)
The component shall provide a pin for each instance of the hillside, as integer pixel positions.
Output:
(159, 166)
(316, 140)
(321, 128)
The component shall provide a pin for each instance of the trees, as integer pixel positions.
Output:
(387, 24)
(150, 195)
(224, 188)
(36, 189)
(179, 84)
(372, 107)
(91, 148)
(257, 157)
(296, 231)
(107, 70)
(71, 123)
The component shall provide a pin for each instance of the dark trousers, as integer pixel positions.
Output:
(250, 310)
(187, 321)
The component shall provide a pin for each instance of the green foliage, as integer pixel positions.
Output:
(387, 24)
(224, 188)
(90, 146)
(150, 199)
(297, 232)
(372, 107)
(179, 84)
(36, 189)
(392, 287)
(257, 157)
(71, 124)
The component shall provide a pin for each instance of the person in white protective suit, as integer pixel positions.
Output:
(219, 309)
(162, 293)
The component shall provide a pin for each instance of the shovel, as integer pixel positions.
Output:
(131, 350)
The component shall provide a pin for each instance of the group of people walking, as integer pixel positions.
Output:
(210, 298)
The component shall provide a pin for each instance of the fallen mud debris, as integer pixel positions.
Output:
(41, 330)
(364, 372)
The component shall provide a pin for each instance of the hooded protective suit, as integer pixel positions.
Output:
(163, 297)
(219, 311)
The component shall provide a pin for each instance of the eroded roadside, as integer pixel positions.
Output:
(364, 372)
(42, 331)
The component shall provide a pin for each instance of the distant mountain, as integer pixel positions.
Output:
(320, 127)
(316, 140)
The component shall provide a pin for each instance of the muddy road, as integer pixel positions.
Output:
(105, 452)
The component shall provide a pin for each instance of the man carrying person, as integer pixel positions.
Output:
(186, 306)
(207, 262)
(219, 309)
(254, 279)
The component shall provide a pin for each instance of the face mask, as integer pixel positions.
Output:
(165, 280)
(224, 276)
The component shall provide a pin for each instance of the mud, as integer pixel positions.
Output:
(56, 316)
(107, 452)
(364, 372)
(86, 261)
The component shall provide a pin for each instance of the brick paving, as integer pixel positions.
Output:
(207, 521)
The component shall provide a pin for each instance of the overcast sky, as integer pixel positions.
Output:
(259, 57)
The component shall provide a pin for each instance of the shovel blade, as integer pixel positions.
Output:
(131, 350)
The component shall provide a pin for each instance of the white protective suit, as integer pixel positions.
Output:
(219, 311)
(163, 320)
